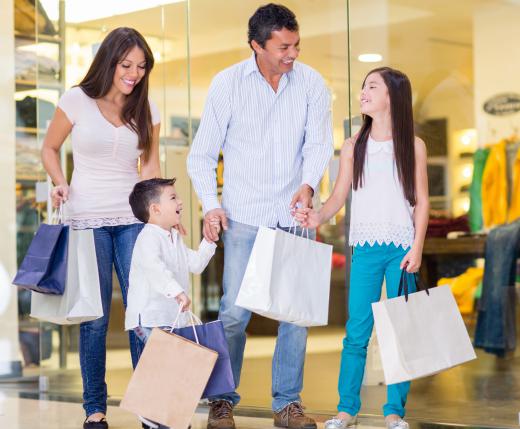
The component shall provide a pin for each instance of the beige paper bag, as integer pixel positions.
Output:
(168, 382)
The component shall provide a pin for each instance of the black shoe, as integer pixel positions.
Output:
(102, 424)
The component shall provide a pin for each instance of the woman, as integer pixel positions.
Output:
(115, 143)
(385, 165)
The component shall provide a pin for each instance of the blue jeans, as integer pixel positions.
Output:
(114, 246)
(369, 265)
(289, 354)
(496, 322)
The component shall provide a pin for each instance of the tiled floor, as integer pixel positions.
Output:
(482, 393)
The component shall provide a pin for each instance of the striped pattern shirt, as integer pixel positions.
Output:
(272, 142)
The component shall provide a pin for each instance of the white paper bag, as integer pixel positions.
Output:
(81, 301)
(422, 336)
(287, 278)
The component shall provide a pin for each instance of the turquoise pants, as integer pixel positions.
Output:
(370, 264)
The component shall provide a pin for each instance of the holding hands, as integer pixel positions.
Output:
(214, 221)
(308, 218)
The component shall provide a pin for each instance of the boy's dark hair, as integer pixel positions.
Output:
(269, 18)
(146, 193)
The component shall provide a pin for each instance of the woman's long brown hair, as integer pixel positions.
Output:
(100, 76)
(400, 93)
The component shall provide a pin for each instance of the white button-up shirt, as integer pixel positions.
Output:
(272, 142)
(159, 271)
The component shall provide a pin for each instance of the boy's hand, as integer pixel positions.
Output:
(184, 301)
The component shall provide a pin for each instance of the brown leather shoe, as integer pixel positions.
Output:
(293, 417)
(221, 415)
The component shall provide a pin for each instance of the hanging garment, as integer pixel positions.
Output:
(464, 288)
(514, 206)
(494, 187)
(475, 191)
(496, 323)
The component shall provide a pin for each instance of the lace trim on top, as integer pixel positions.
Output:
(381, 233)
(101, 222)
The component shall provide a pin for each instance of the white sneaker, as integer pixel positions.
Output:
(336, 423)
(397, 424)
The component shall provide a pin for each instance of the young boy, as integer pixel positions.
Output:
(161, 263)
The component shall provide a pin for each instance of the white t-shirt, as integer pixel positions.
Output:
(105, 163)
(380, 213)
(160, 269)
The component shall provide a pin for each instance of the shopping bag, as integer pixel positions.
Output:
(420, 334)
(211, 335)
(287, 278)
(81, 301)
(168, 381)
(44, 267)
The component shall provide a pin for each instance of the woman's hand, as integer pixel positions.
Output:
(412, 260)
(59, 195)
(307, 218)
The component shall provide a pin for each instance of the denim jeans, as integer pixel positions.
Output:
(496, 322)
(114, 246)
(289, 354)
(370, 264)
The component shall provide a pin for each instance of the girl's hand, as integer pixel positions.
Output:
(307, 218)
(59, 195)
(412, 260)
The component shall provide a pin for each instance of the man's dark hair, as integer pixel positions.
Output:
(146, 193)
(269, 18)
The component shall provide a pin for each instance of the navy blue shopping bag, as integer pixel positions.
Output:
(44, 268)
(211, 335)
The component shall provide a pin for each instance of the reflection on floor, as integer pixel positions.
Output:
(485, 392)
(19, 413)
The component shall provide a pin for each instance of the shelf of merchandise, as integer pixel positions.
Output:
(30, 179)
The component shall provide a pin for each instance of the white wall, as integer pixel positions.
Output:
(496, 36)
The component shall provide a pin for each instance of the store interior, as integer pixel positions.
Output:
(462, 60)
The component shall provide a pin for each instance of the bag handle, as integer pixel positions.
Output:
(57, 215)
(295, 225)
(403, 284)
(194, 321)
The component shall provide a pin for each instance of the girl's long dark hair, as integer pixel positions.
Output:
(400, 93)
(100, 76)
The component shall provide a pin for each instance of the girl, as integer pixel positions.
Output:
(113, 127)
(385, 164)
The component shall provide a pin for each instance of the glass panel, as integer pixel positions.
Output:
(462, 60)
(64, 56)
(219, 40)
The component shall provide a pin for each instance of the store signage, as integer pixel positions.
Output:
(503, 104)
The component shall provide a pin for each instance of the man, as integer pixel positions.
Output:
(271, 117)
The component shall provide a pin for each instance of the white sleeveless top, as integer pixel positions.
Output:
(105, 164)
(380, 213)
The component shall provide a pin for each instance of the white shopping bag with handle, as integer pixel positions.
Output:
(420, 334)
(81, 301)
(287, 278)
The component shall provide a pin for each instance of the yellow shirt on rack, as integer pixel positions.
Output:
(494, 187)
(514, 208)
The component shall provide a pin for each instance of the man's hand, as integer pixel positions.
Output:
(184, 301)
(212, 222)
(302, 196)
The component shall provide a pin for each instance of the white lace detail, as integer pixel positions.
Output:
(101, 222)
(381, 233)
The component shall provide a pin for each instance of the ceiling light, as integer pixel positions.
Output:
(370, 58)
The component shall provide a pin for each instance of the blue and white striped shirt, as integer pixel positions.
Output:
(272, 142)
